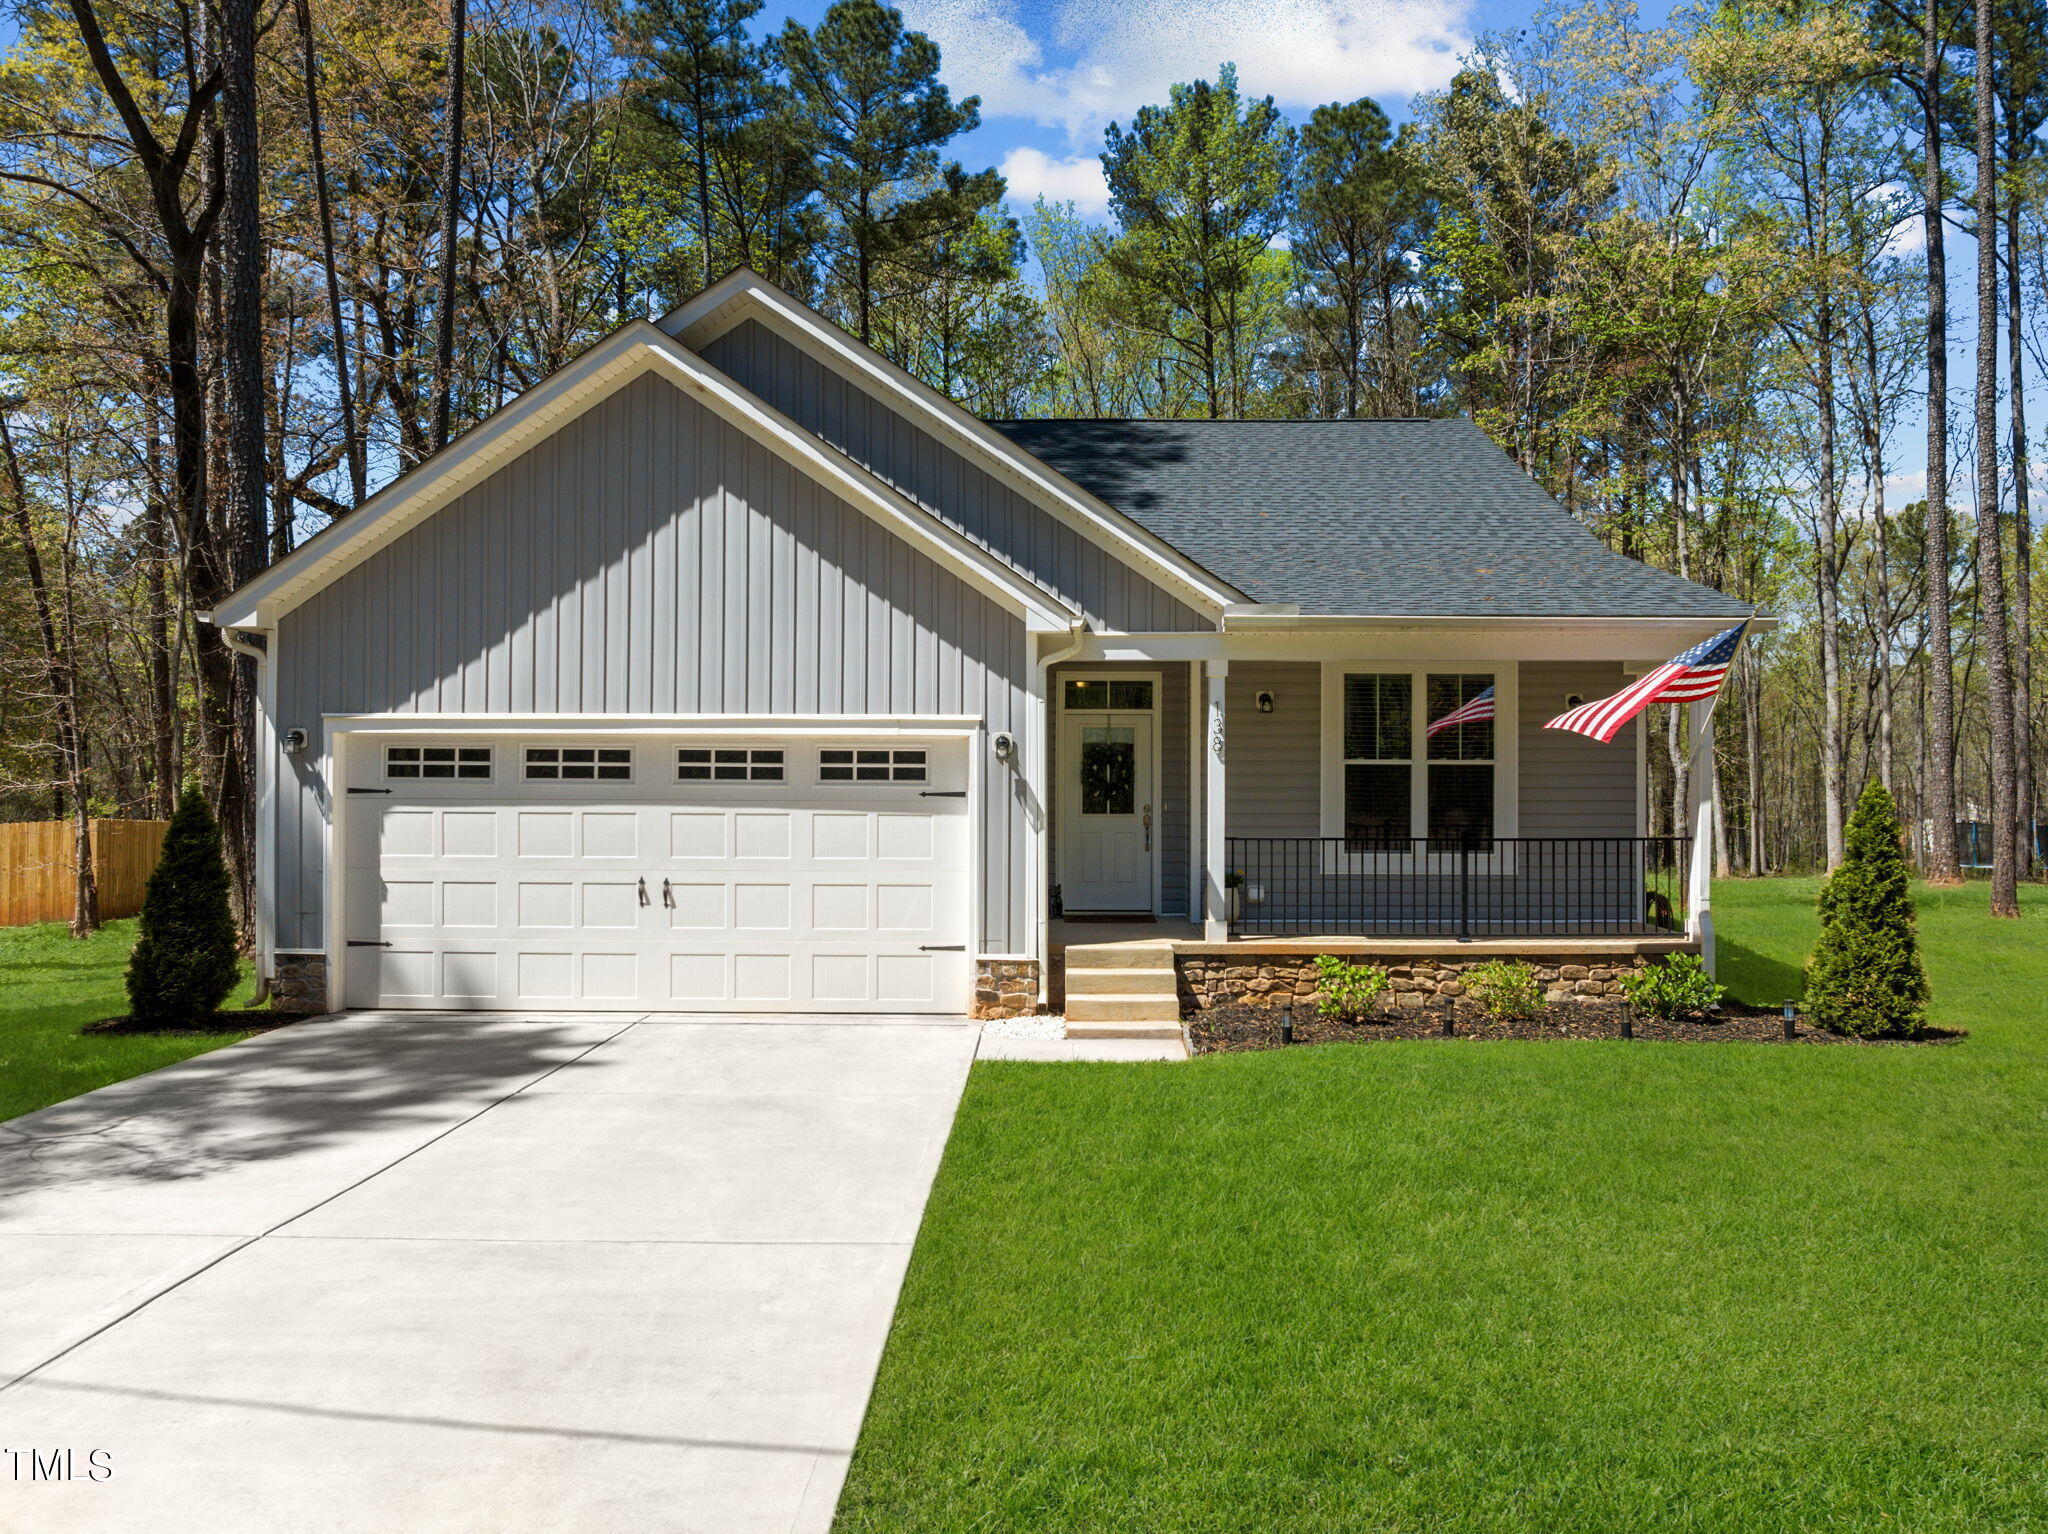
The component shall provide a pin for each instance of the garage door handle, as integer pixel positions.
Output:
(667, 895)
(942, 948)
(364, 942)
(942, 793)
(643, 889)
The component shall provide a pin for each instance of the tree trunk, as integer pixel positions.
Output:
(451, 223)
(2023, 549)
(1990, 528)
(1940, 721)
(351, 433)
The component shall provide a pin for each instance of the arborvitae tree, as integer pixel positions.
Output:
(184, 963)
(1865, 976)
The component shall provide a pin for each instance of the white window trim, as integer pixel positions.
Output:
(1507, 748)
(632, 765)
(384, 761)
(856, 784)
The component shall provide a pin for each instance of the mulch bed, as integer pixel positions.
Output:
(253, 1020)
(1241, 1026)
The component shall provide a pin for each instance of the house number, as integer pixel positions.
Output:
(1216, 740)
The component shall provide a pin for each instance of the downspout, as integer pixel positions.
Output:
(1041, 927)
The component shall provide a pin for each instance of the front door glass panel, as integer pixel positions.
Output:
(1109, 770)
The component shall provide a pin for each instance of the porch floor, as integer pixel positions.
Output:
(1186, 937)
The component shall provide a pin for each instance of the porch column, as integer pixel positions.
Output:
(1215, 859)
(1699, 923)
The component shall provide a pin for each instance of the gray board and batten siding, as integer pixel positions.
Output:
(649, 558)
(917, 463)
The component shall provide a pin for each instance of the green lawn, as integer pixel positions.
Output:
(1480, 1286)
(50, 987)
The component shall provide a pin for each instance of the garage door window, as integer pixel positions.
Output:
(871, 766)
(579, 764)
(728, 764)
(437, 761)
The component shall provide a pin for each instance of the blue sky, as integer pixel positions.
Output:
(1052, 75)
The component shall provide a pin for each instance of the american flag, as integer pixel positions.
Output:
(1697, 673)
(1477, 709)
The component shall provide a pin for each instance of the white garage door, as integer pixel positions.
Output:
(820, 876)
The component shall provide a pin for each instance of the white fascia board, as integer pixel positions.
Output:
(1623, 640)
(636, 348)
(746, 295)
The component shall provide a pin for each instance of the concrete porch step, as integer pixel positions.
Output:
(1109, 1029)
(1158, 1008)
(1119, 956)
(1121, 982)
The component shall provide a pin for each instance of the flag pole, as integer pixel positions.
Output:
(1700, 886)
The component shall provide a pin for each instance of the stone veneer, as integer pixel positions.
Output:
(298, 983)
(1005, 988)
(1208, 980)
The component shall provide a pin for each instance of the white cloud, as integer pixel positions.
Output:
(1095, 60)
(1033, 174)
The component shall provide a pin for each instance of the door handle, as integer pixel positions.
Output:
(1148, 828)
(668, 898)
(643, 889)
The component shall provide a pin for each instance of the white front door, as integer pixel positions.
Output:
(795, 883)
(1107, 795)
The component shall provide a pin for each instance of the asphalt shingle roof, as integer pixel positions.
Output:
(1410, 518)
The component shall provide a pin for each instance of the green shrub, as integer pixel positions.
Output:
(1865, 977)
(1680, 984)
(1507, 988)
(184, 963)
(1347, 991)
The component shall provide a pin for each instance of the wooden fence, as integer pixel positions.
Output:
(36, 882)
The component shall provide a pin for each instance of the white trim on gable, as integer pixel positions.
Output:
(744, 295)
(621, 357)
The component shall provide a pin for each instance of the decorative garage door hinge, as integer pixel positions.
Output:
(942, 948)
(365, 942)
(942, 793)
(369, 790)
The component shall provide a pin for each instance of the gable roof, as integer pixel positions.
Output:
(744, 294)
(633, 349)
(1376, 518)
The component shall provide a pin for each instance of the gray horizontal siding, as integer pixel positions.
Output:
(1569, 787)
(1272, 772)
(1572, 786)
(648, 558)
(1005, 522)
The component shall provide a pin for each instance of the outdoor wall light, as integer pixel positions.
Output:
(1265, 701)
(1006, 746)
(294, 742)
(1574, 699)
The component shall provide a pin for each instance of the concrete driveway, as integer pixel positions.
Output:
(418, 1272)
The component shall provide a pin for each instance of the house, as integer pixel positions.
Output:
(731, 668)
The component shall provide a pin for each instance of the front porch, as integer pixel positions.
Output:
(1319, 806)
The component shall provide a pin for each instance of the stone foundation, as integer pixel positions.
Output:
(298, 983)
(1005, 988)
(1208, 980)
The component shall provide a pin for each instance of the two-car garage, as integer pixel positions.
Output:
(656, 873)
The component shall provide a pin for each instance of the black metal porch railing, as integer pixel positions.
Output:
(1524, 886)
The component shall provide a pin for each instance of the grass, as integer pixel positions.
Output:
(51, 986)
(1458, 1286)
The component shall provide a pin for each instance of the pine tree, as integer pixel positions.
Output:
(867, 104)
(1865, 976)
(184, 963)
